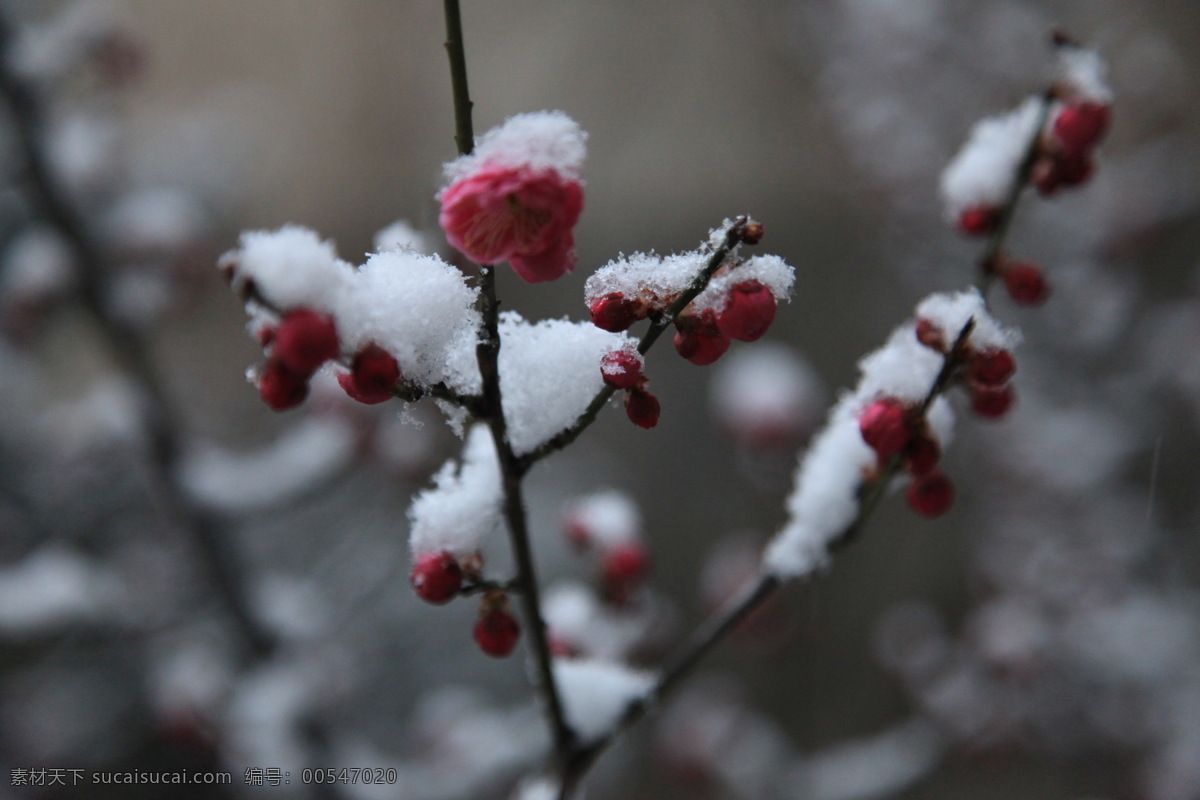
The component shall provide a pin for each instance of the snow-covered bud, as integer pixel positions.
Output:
(436, 577)
(991, 402)
(606, 519)
(372, 376)
(614, 312)
(930, 495)
(930, 335)
(642, 408)
(749, 310)
(698, 339)
(884, 426)
(496, 630)
(992, 367)
(305, 340)
(622, 369)
(1025, 283)
(280, 387)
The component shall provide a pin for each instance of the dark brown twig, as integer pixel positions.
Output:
(491, 409)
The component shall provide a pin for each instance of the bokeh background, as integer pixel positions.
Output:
(1041, 640)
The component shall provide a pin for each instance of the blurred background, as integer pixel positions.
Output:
(193, 581)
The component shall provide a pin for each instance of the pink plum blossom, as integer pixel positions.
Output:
(516, 214)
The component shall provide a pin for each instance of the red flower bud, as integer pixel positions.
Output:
(931, 335)
(1025, 284)
(621, 369)
(991, 402)
(979, 220)
(698, 339)
(372, 376)
(1080, 126)
(749, 310)
(642, 408)
(436, 577)
(613, 312)
(930, 495)
(992, 367)
(305, 340)
(279, 387)
(496, 630)
(624, 569)
(884, 426)
(921, 455)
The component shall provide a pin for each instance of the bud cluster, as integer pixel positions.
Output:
(980, 183)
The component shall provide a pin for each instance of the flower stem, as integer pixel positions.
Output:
(464, 132)
(491, 409)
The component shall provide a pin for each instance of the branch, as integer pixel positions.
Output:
(712, 630)
(753, 594)
(491, 409)
(995, 243)
(160, 420)
(661, 321)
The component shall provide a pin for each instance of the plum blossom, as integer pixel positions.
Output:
(517, 197)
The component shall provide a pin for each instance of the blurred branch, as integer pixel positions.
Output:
(160, 420)
(995, 244)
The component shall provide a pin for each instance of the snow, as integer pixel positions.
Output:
(418, 308)
(463, 506)
(537, 788)
(539, 140)
(824, 499)
(291, 267)
(156, 219)
(656, 279)
(37, 262)
(771, 271)
(400, 235)
(576, 617)
(767, 387)
(1085, 72)
(610, 517)
(309, 452)
(596, 693)
(950, 312)
(52, 589)
(549, 373)
(984, 170)
(903, 368)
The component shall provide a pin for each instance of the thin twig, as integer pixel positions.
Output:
(988, 262)
(491, 409)
(657, 326)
